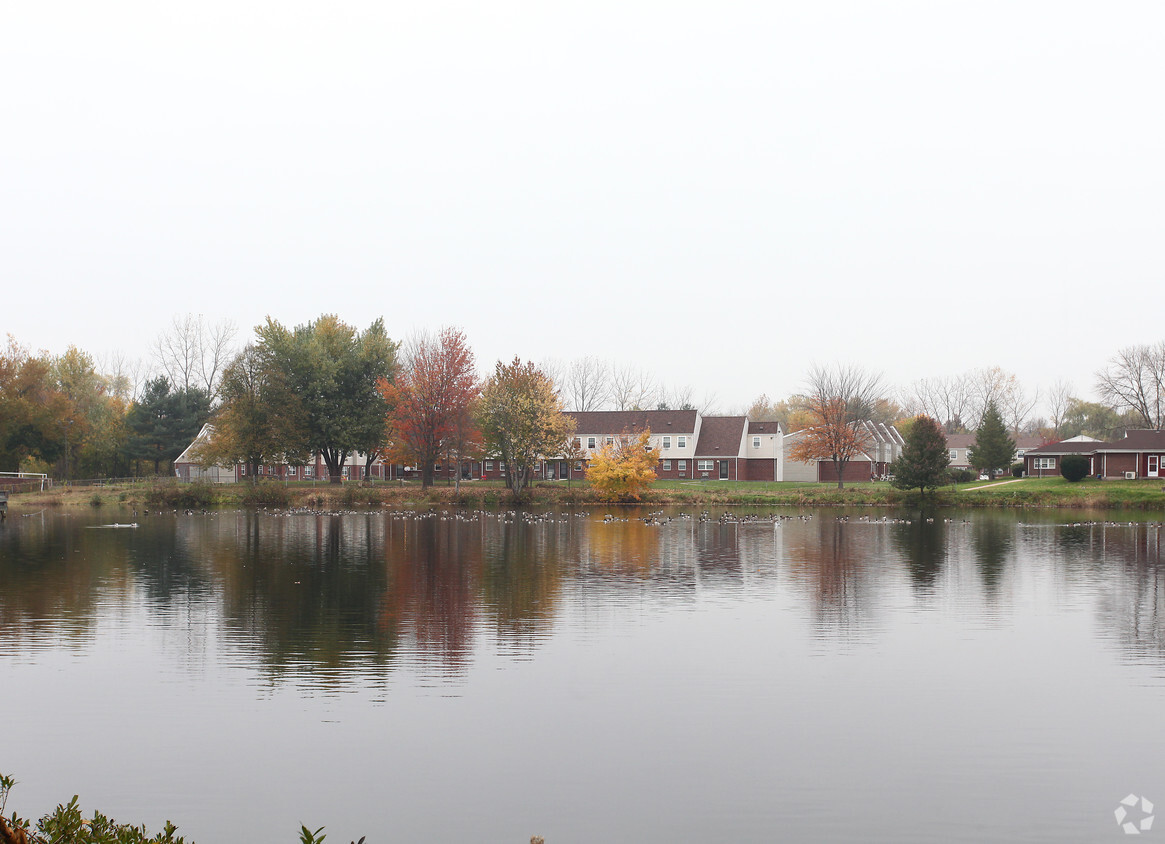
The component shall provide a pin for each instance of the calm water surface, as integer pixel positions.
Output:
(413, 677)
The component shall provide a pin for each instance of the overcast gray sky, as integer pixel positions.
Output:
(721, 193)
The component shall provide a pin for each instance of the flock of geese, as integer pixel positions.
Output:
(656, 518)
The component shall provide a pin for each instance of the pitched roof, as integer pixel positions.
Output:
(618, 421)
(1136, 440)
(1066, 447)
(720, 436)
(758, 427)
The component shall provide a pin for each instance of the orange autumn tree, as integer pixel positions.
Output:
(430, 401)
(625, 469)
(838, 402)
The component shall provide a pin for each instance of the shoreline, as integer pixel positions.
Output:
(1021, 493)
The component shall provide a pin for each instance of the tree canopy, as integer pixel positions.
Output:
(329, 372)
(430, 400)
(925, 457)
(521, 420)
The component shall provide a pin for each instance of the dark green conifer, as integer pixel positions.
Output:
(992, 449)
(924, 460)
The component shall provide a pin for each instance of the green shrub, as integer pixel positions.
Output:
(1073, 467)
(95, 500)
(1017, 470)
(962, 476)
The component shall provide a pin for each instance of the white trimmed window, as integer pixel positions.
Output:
(591, 442)
(704, 465)
(667, 465)
(756, 442)
(308, 471)
(681, 442)
(667, 442)
(609, 441)
(1045, 463)
(954, 454)
(683, 465)
(489, 465)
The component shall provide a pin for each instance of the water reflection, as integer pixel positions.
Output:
(360, 594)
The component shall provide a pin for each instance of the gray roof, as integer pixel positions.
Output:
(617, 421)
(720, 436)
(757, 427)
(1135, 440)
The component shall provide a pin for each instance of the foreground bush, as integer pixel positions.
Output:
(66, 825)
(1073, 467)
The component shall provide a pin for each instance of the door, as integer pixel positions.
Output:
(723, 470)
(1153, 466)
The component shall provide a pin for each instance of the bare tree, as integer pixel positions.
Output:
(946, 399)
(991, 385)
(632, 388)
(1135, 380)
(1019, 407)
(1059, 397)
(677, 398)
(125, 377)
(587, 384)
(192, 353)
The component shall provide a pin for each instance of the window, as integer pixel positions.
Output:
(609, 440)
(1045, 462)
(308, 471)
(578, 465)
(590, 442)
(489, 465)
(704, 465)
(243, 469)
(683, 465)
(681, 442)
(344, 471)
(1019, 452)
(577, 442)
(667, 465)
(954, 454)
(756, 442)
(291, 471)
(667, 442)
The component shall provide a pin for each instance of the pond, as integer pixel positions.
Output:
(826, 676)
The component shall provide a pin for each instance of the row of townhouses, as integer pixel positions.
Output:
(691, 446)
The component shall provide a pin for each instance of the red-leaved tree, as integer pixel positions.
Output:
(430, 400)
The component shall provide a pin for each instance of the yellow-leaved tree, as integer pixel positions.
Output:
(625, 469)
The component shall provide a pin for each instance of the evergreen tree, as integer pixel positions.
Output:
(992, 449)
(164, 421)
(924, 460)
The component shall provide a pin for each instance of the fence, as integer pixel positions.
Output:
(24, 481)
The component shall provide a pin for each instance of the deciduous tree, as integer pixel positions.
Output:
(1134, 379)
(838, 401)
(331, 372)
(35, 414)
(431, 397)
(255, 420)
(924, 459)
(625, 469)
(521, 421)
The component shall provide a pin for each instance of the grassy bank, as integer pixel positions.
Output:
(1029, 492)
